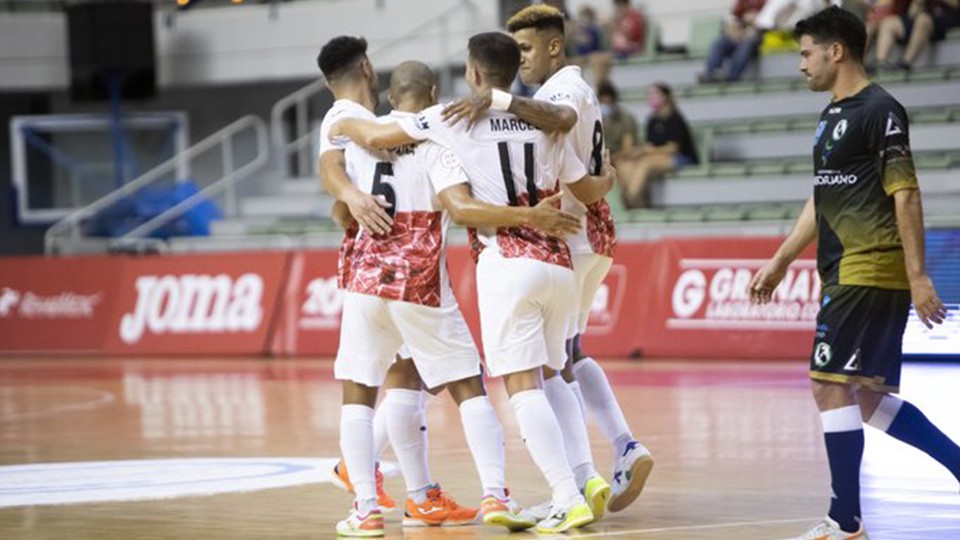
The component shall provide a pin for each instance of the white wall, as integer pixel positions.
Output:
(252, 43)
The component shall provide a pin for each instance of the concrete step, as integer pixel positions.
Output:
(287, 206)
(305, 185)
(240, 226)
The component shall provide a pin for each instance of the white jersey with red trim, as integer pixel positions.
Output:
(408, 263)
(509, 162)
(567, 87)
(341, 109)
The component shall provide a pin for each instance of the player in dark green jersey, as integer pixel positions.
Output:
(866, 216)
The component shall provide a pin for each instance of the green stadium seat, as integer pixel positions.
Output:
(932, 161)
(648, 215)
(725, 213)
(735, 168)
(685, 215)
(704, 29)
(772, 167)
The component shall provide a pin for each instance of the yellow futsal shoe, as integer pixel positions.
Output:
(505, 513)
(563, 519)
(360, 526)
(597, 492)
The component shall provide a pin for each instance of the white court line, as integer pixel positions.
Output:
(698, 527)
(105, 398)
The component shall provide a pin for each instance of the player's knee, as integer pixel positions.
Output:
(521, 381)
(359, 394)
(403, 374)
(831, 395)
(466, 389)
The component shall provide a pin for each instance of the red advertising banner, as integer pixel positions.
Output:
(56, 304)
(683, 298)
(308, 321)
(197, 304)
(687, 298)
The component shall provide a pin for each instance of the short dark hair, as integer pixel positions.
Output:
(339, 54)
(539, 16)
(835, 24)
(497, 56)
(607, 89)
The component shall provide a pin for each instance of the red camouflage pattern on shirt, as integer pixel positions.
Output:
(404, 264)
(345, 255)
(601, 231)
(526, 242)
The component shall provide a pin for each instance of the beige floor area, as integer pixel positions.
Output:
(239, 449)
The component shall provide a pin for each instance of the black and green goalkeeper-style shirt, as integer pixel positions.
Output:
(861, 154)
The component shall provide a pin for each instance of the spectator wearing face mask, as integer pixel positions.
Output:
(668, 146)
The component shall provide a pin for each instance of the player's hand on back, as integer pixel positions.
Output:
(547, 217)
(369, 211)
(765, 281)
(341, 215)
(929, 307)
(468, 108)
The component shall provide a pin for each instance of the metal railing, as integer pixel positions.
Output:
(298, 145)
(70, 226)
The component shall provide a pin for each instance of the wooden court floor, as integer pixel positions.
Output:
(239, 449)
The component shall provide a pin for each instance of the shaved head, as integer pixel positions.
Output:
(412, 80)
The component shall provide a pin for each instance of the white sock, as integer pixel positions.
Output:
(575, 386)
(356, 446)
(380, 438)
(602, 402)
(576, 442)
(485, 439)
(541, 433)
(406, 426)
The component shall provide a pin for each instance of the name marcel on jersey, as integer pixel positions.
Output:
(510, 124)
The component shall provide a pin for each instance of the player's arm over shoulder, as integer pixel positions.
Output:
(551, 115)
(372, 134)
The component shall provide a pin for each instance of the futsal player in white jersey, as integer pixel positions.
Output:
(565, 103)
(353, 81)
(523, 276)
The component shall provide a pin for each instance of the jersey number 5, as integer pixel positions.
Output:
(385, 168)
(507, 171)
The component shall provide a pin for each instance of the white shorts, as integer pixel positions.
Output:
(525, 308)
(373, 329)
(590, 269)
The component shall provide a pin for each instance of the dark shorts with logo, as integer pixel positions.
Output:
(859, 337)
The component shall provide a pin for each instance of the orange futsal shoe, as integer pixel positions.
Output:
(438, 510)
(341, 479)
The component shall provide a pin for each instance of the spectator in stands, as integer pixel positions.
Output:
(925, 22)
(589, 46)
(628, 32)
(880, 10)
(619, 126)
(668, 147)
(739, 42)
